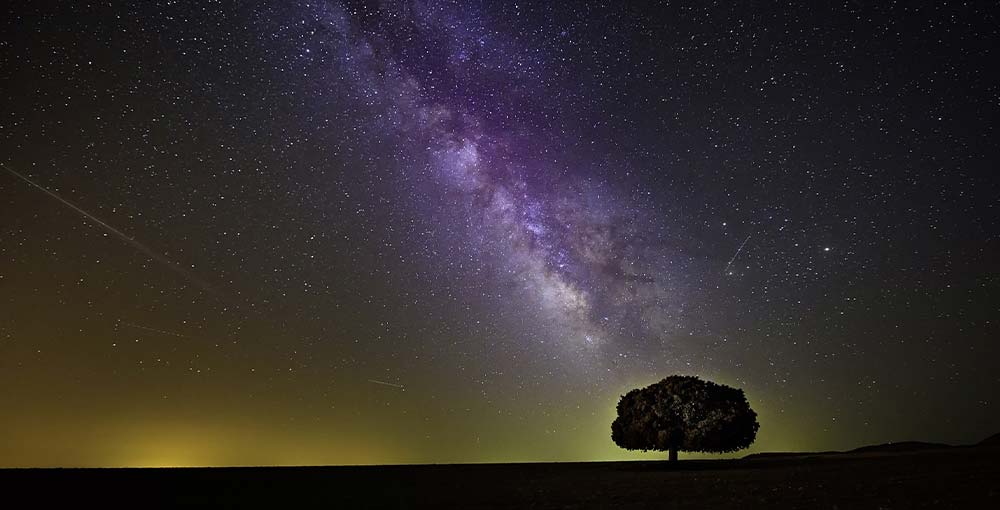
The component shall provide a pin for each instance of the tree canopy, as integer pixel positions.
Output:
(684, 413)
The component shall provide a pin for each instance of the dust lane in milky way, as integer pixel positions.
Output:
(593, 261)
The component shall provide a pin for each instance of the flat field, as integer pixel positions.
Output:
(959, 477)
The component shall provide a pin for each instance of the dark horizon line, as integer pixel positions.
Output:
(925, 445)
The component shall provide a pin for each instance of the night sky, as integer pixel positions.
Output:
(335, 233)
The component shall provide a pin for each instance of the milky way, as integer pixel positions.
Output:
(450, 231)
(591, 260)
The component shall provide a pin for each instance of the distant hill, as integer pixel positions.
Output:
(901, 446)
(897, 447)
(991, 442)
(778, 455)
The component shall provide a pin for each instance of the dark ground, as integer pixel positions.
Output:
(960, 477)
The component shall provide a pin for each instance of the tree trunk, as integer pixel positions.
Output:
(673, 455)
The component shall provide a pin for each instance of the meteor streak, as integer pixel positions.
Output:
(726, 270)
(121, 235)
(383, 383)
(161, 331)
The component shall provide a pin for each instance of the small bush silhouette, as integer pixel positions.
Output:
(684, 413)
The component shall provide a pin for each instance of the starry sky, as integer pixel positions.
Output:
(247, 233)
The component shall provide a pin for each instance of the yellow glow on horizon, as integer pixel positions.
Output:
(184, 445)
(579, 431)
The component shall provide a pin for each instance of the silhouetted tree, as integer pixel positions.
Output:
(684, 413)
